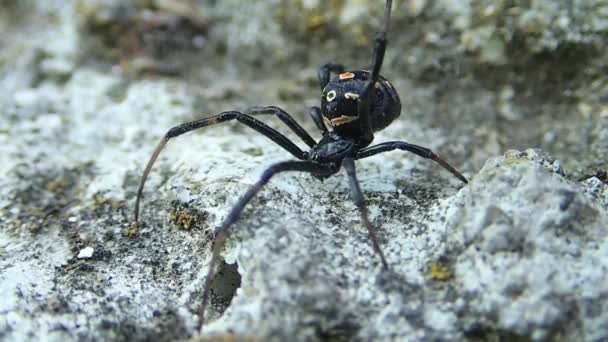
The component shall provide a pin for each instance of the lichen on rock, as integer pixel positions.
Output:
(518, 253)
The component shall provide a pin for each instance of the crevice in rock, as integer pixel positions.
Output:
(224, 285)
(343, 332)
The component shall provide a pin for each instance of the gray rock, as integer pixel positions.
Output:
(522, 252)
(523, 239)
(519, 252)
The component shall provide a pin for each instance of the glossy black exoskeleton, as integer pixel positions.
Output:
(354, 105)
(339, 105)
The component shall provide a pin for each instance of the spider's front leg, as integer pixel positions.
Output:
(380, 44)
(359, 199)
(366, 96)
(248, 120)
(222, 232)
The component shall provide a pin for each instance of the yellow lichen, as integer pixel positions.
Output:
(57, 185)
(37, 212)
(98, 199)
(115, 204)
(514, 157)
(182, 218)
(439, 271)
(196, 188)
(131, 231)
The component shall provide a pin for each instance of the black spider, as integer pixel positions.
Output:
(355, 104)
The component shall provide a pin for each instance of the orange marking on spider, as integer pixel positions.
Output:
(346, 75)
(340, 120)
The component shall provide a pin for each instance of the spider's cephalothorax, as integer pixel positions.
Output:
(354, 105)
(340, 109)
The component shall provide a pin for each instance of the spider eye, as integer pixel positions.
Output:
(331, 96)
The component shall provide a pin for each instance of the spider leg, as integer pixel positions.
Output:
(418, 150)
(366, 98)
(317, 117)
(287, 119)
(222, 232)
(248, 120)
(325, 71)
(359, 199)
(380, 44)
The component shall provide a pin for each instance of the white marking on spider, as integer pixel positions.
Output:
(331, 96)
(351, 96)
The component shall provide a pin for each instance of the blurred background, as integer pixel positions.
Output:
(493, 75)
(87, 87)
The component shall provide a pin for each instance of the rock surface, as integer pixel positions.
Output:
(88, 88)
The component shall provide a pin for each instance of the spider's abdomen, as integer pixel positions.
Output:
(339, 103)
(388, 105)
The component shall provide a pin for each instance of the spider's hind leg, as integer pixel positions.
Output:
(222, 232)
(248, 120)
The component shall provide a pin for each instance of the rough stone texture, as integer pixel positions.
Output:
(531, 252)
(88, 88)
